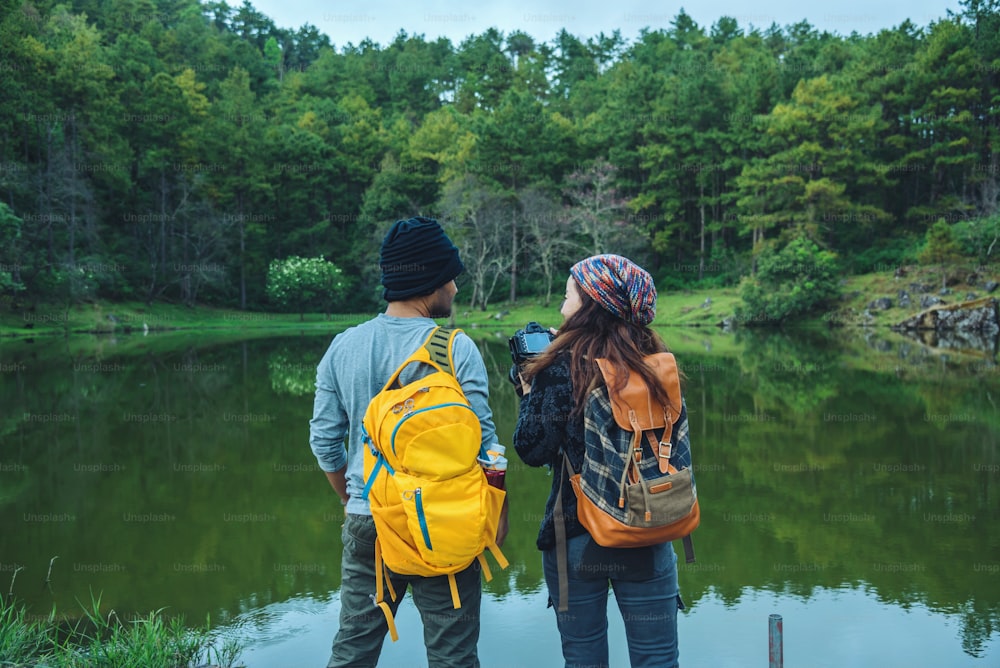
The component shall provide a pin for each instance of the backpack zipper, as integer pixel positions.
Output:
(392, 438)
(421, 518)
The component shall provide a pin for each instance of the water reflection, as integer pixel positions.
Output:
(986, 342)
(840, 480)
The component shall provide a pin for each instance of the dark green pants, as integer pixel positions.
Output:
(450, 635)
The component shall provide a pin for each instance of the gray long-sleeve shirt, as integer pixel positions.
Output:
(354, 369)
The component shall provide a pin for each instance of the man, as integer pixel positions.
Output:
(419, 264)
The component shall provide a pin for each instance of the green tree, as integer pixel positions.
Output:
(984, 19)
(160, 121)
(485, 72)
(274, 57)
(686, 139)
(941, 129)
(573, 65)
(73, 127)
(820, 176)
(445, 139)
(412, 75)
(750, 89)
(240, 182)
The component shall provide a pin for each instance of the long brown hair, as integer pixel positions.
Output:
(591, 333)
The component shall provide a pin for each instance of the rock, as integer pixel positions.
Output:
(980, 319)
(978, 316)
(971, 325)
(990, 286)
(919, 288)
(882, 303)
(927, 302)
(944, 291)
(972, 296)
(904, 299)
(707, 303)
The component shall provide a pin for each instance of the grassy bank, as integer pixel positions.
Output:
(104, 640)
(137, 317)
(688, 308)
(684, 308)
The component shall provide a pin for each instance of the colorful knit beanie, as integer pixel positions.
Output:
(417, 258)
(619, 285)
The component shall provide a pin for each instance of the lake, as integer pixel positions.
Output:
(849, 483)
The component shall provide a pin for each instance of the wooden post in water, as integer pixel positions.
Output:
(775, 652)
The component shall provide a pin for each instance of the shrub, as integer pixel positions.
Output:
(979, 238)
(790, 283)
(886, 255)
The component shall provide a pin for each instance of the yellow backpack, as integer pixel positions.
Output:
(433, 509)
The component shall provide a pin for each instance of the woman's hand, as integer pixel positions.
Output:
(525, 387)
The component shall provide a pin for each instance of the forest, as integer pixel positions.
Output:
(192, 152)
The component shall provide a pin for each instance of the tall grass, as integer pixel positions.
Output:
(21, 639)
(105, 641)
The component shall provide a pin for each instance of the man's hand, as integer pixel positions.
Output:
(338, 480)
(503, 525)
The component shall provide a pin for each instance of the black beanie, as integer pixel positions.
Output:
(417, 258)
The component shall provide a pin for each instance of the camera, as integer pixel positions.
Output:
(525, 344)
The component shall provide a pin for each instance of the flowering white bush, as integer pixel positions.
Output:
(305, 283)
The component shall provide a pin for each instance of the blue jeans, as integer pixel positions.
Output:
(450, 635)
(645, 585)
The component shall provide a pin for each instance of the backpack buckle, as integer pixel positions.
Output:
(666, 445)
(663, 453)
(369, 441)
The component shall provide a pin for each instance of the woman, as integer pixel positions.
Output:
(610, 301)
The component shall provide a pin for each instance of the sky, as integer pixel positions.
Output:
(381, 20)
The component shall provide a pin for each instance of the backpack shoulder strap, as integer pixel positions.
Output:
(439, 348)
(435, 351)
